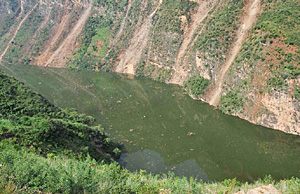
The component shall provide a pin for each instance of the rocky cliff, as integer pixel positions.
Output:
(239, 55)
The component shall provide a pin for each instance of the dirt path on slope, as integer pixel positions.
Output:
(179, 73)
(60, 57)
(16, 31)
(252, 10)
(137, 45)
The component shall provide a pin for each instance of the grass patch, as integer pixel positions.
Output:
(99, 42)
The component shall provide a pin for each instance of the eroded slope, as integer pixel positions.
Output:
(241, 56)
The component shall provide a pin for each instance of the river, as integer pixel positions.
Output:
(164, 130)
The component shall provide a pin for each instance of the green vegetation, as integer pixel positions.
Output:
(23, 171)
(140, 69)
(156, 73)
(281, 18)
(96, 29)
(196, 85)
(167, 32)
(168, 17)
(297, 92)
(15, 54)
(162, 75)
(219, 32)
(24, 47)
(231, 103)
(100, 40)
(273, 48)
(8, 19)
(27, 119)
(46, 149)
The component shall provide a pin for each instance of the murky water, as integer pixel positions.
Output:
(165, 130)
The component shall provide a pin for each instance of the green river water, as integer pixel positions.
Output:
(153, 120)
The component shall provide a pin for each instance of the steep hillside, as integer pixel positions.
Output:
(264, 83)
(41, 30)
(239, 55)
(29, 120)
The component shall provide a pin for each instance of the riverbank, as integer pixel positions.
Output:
(45, 149)
(161, 117)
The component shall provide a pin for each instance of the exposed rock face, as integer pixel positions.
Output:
(254, 72)
(280, 111)
(269, 189)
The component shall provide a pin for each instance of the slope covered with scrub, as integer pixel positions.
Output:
(239, 55)
(263, 84)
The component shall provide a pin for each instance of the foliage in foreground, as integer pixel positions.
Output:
(28, 119)
(23, 171)
(45, 149)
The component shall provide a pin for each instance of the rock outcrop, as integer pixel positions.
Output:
(269, 189)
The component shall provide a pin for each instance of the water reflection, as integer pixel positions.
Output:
(153, 162)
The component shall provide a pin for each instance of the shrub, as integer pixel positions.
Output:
(196, 85)
(231, 103)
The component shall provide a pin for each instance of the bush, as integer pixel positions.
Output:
(35, 173)
(29, 120)
(196, 85)
(231, 103)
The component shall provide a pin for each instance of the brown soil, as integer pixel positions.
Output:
(60, 57)
(180, 74)
(252, 10)
(58, 32)
(138, 43)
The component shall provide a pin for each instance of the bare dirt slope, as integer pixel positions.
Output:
(138, 43)
(60, 57)
(45, 55)
(252, 10)
(179, 73)
(17, 30)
